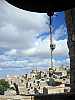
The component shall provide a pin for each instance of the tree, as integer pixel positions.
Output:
(4, 85)
(52, 82)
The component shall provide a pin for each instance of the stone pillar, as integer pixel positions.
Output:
(70, 23)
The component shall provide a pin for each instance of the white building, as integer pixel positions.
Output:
(10, 93)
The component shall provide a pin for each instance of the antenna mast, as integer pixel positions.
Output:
(52, 46)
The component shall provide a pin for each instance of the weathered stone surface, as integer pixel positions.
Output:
(70, 23)
(17, 97)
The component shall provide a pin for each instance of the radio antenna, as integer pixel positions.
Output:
(52, 46)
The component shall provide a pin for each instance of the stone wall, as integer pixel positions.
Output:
(70, 23)
(2, 97)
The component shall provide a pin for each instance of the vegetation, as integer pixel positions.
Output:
(4, 85)
(38, 76)
(52, 82)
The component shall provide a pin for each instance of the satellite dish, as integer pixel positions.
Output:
(43, 6)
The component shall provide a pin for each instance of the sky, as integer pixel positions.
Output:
(24, 40)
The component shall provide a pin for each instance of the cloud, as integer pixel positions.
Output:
(68, 61)
(61, 48)
(42, 49)
(3, 58)
(18, 32)
(38, 56)
(60, 32)
(11, 52)
(18, 28)
(1, 69)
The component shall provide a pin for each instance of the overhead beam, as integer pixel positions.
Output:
(43, 6)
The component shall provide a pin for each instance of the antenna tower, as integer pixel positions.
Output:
(52, 46)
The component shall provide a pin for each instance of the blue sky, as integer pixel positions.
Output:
(24, 40)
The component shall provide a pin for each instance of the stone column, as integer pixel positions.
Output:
(70, 23)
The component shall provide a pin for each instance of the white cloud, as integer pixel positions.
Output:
(40, 55)
(18, 31)
(43, 50)
(18, 28)
(28, 52)
(68, 61)
(3, 58)
(1, 69)
(61, 48)
(11, 52)
(60, 32)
